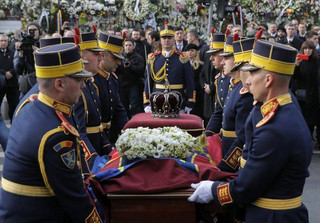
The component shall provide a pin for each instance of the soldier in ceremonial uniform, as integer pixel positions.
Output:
(271, 182)
(42, 181)
(169, 69)
(221, 82)
(236, 108)
(114, 115)
(88, 109)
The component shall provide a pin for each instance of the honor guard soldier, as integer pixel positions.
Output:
(41, 173)
(271, 182)
(169, 69)
(114, 115)
(88, 109)
(221, 82)
(237, 107)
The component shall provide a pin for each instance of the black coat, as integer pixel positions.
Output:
(6, 64)
(305, 79)
(296, 42)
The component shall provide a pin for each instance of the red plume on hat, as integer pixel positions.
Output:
(76, 35)
(94, 28)
(236, 37)
(211, 33)
(259, 34)
(124, 35)
(227, 32)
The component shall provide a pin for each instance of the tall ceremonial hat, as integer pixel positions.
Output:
(242, 50)
(87, 41)
(111, 43)
(272, 56)
(166, 30)
(217, 42)
(228, 47)
(54, 41)
(59, 61)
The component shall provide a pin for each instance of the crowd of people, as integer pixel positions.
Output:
(82, 95)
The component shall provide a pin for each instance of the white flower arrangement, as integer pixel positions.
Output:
(143, 142)
(144, 7)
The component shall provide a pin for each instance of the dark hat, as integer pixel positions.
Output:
(111, 43)
(242, 50)
(281, 28)
(272, 56)
(166, 30)
(218, 41)
(58, 61)
(191, 46)
(228, 47)
(89, 41)
(54, 41)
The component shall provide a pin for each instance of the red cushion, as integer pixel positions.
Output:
(190, 123)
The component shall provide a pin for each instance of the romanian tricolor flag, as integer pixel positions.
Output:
(59, 21)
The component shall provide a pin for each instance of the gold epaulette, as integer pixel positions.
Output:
(244, 90)
(183, 56)
(151, 56)
(29, 99)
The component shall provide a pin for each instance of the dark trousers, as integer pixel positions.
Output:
(12, 94)
(131, 98)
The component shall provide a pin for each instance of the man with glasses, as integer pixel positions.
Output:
(169, 69)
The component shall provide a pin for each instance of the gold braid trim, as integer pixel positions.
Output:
(161, 74)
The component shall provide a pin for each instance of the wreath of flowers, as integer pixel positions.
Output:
(128, 6)
(167, 142)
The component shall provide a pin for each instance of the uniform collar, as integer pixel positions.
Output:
(57, 105)
(234, 82)
(164, 53)
(104, 73)
(272, 104)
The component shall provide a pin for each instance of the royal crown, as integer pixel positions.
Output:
(165, 104)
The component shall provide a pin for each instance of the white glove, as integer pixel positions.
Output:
(202, 193)
(187, 110)
(147, 109)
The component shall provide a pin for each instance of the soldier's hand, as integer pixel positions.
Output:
(203, 193)
(8, 75)
(147, 109)
(207, 88)
(187, 110)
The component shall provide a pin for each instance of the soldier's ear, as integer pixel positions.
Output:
(269, 78)
(59, 84)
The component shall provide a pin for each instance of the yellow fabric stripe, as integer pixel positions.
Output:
(217, 45)
(89, 45)
(166, 32)
(242, 56)
(25, 190)
(278, 204)
(242, 162)
(228, 133)
(271, 64)
(171, 86)
(228, 49)
(106, 125)
(59, 70)
(94, 129)
(40, 156)
(110, 47)
(21, 106)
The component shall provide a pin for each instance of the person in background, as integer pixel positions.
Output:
(281, 34)
(291, 39)
(179, 38)
(196, 64)
(305, 84)
(130, 74)
(193, 37)
(302, 28)
(273, 30)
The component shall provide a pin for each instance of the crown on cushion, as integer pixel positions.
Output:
(165, 104)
